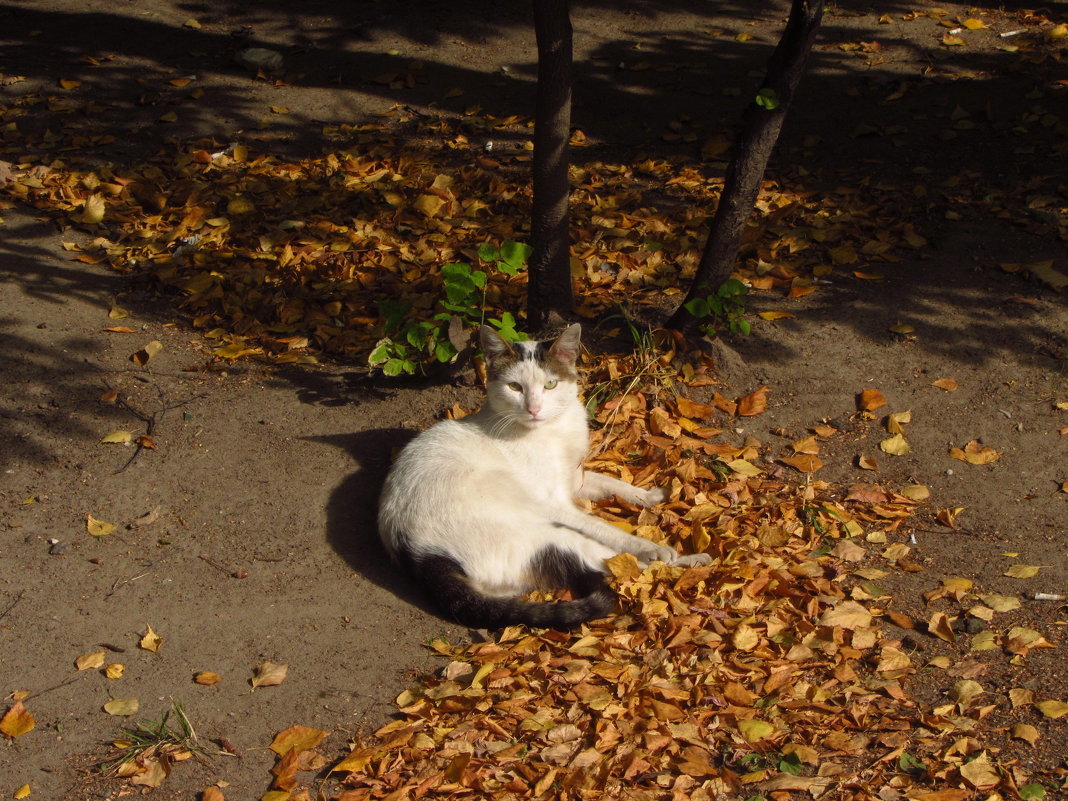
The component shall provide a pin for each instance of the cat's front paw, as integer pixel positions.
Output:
(656, 496)
(648, 552)
(693, 560)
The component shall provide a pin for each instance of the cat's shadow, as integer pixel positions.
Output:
(351, 511)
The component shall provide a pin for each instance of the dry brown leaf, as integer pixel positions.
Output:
(947, 384)
(17, 721)
(870, 399)
(297, 738)
(206, 678)
(754, 403)
(269, 675)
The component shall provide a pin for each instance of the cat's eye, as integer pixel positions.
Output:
(551, 384)
(515, 386)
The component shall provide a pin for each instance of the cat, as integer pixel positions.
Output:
(481, 509)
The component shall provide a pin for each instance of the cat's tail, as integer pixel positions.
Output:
(450, 588)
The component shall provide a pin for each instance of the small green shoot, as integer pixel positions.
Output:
(767, 99)
(157, 740)
(722, 309)
(409, 344)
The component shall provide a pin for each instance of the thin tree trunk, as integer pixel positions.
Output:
(753, 148)
(550, 263)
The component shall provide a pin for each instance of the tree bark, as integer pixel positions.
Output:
(550, 262)
(756, 141)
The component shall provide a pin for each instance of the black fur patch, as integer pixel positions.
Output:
(447, 585)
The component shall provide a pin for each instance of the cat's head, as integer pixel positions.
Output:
(531, 382)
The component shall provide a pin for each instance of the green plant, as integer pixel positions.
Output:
(767, 99)
(154, 740)
(724, 308)
(408, 344)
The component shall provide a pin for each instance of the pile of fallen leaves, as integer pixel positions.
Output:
(766, 673)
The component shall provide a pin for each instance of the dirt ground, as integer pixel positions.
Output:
(262, 484)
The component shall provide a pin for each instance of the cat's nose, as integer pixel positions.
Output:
(534, 410)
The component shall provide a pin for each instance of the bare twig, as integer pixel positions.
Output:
(11, 605)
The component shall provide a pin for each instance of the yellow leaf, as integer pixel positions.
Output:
(965, 692)
(744, 468)
(867, 463)
(429, 205)
(150, 641)
(118, 438)
(957, 584)
(300, 738)
(847, 615)
(117, 313)
(206, 678)
(948, 384)
(1001, 603)
(939, 626)
(16, 721)
(240, 205)
(68, 84)
(973, 24)
(870, 400)
(984, 641)
(122, 707)
(949, 40)
(902, 328)
(624, 565)
(753, 729)
(916, 492)
(754, 403)
(114, 670)
(980, 773)
(1023, 571)
(90, 661)
(98, 528)
(93, 210)
(1025, 731)
(745, 638)
(280, 109)
(170, 116)
(776, 315)
(22, 792)
(145, 355)
(895, 445)
(269, 675)
(896, 420)
(803, 462)
(1053, 709)
(975, 453)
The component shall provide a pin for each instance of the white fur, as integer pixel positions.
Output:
(494, 489)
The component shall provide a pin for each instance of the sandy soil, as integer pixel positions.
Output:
(262, 481)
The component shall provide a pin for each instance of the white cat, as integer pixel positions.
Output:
(482, 509)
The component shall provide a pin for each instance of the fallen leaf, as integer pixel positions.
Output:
(299, 738)
(895, 446)
(269, 675)
(965, 692)
(870, 399)
(114, 670)
(867, 463)
(118, 437)
(896, 420)
(916, 492)
(212, 793)
(1022, 571)
(940, 627)
(1025, 731)
(847, 615)
(117, 313)
(975, 453)
(754, 729)
(123, 707)
(948, 517)
(90, 661)
(16, 721)
(804, 463)
(980, 773)
(98, 528)
(754, 403)
(206, 678)
(120, 329)
(775, 315)
(150, 641)
(145, 355)
(948, 384)
(1052, 709)
(22, 792)
(93, 210)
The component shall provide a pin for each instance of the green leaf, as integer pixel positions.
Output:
(1031, 791)
(507, 269)
(767, 99)
(488, 252)
(478, 278)
(515, 254)
(744, 327)
(415, 337)
(791, 763)
(732, 287)
(444, 352)
(909, 764)
(381, 353)
(393, 367)
(698, 307)
(455, 270)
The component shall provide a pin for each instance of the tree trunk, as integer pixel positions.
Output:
(756, 141)
(550, 263)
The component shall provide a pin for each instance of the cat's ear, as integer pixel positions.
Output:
(493, 345)
(566, 346)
